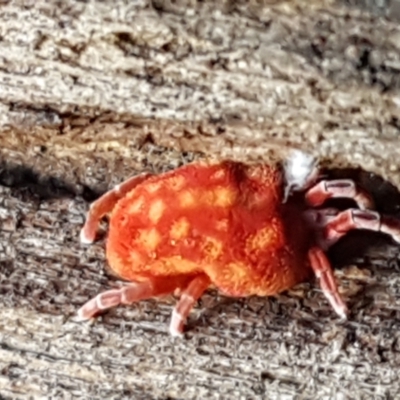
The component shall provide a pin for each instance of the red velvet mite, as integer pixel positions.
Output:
(244, 229)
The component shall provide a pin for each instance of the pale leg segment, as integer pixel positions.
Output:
(188, 298)
(105, 204)
(131, 293)
(323, 271)
(318, 219)
(114, 297)
(359, 219)
(340, 188)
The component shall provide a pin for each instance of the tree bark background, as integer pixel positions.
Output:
(92, 92)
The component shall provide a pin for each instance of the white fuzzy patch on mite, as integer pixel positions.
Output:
(300, 170)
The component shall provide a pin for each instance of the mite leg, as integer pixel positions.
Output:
(323, 271)
(318, 219)
(131, 293)
(359, 219)
(343, 188)
(105, 204)
(188, 298)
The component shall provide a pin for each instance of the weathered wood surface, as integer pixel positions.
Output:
(92, 92)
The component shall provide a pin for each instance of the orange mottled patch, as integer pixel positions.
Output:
(212, 248)
(221, 197)
(218, 175)
(222, 225)
(233, 277)
(153, 187)
(177, 265)
(156, 210)
(217, 197)
(176, 183)
(269, 236)
(136, 206)
(187, 199)
(179, 229)
(135, 257)
(149, 238)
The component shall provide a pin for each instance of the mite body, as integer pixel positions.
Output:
(245, 229)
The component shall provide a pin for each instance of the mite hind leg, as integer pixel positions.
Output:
(131, 293)
(189, 297)
(105, 204)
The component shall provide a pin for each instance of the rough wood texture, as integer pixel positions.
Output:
(94, 91)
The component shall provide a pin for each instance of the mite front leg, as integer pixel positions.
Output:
(341, 188)
(318, 219)
(359, 219)
(323, 271)
(105, 204)
(188, 298)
